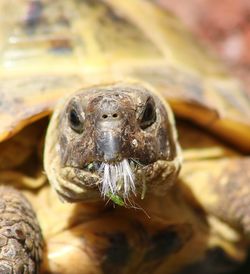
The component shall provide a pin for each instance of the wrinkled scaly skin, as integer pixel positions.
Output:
(201, 225)
(20, 236)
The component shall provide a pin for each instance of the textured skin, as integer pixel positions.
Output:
(101, 239)
(228, 198)
(234, 206)
(20, 235)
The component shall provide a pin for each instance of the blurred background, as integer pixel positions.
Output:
(223, 25)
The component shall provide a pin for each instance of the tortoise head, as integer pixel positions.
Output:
(117, 140)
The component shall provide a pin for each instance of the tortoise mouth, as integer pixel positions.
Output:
(120, 181)
(116, 178)
(95, 166)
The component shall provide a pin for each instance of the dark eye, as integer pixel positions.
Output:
(148, 116)
(75, 121)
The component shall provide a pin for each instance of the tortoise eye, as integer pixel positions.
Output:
(75, 121)
(148, 116)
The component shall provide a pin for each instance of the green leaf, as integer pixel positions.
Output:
(116, 199)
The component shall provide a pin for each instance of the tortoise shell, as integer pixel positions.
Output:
(49, 48)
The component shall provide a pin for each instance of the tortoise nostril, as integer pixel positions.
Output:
(106, 116)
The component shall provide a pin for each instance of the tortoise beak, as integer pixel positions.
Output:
(109, 131)
(109, 143)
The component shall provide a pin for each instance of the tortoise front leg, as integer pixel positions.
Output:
(222, 188)
(20, 236)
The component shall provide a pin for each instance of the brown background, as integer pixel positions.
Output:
(224, 25)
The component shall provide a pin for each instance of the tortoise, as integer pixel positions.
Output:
(125, 196)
